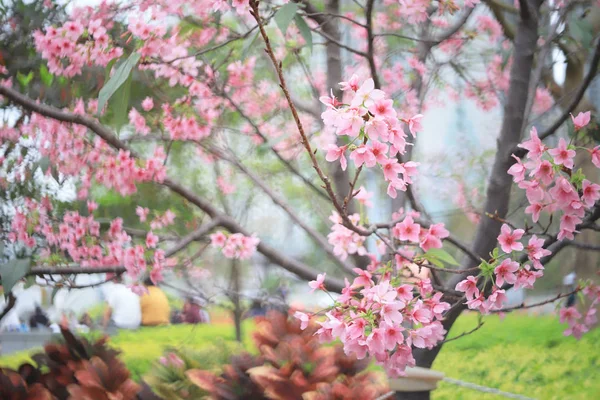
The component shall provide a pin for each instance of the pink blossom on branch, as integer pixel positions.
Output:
(509, 240)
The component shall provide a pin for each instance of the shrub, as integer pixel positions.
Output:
(291, 363)
(72, 369)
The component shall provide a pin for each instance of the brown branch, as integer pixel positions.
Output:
(315, 235)
(9, 305)
(305, 142)
(578, 96)
(479, 325)
(193, 236)
(522, 306)
(277, 154)
(75, 270)
(370, 43)
(292, 265)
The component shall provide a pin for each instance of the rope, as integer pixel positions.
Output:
(486, 389)
(470, 386)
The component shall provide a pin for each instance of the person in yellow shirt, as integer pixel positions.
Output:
(155, 306)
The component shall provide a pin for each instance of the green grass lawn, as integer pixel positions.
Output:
(524, 355)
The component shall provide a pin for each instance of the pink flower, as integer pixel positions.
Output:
(595, 153)
(414, 124)
(543, 172)
(536, 251)
(383, 108)
(505, 272)
(363, 155)
(421, 314)
(429, 241)
(534, 209)
(304, 319)
(142, 212)
(509, 240)
(364, 197)
(569, 315)
(147, 104)
(534, 146)
(352, 84)
(591, 193)
(405, 293)
(390, 312)
(218, 239)
(151, 240)
(407, 230)
(391, 169)
(363, 278)
(334, 152)
(392, 335)
(562, 155)
(581, 120)
(318, 284)
(496, 299)
(517, 170)
(379, 151)
(367, 95)
(439, 230)
(375, 341)
(92, 206)
(468, 286)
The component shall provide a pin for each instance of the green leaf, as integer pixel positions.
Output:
(12, 272)
(45, 75)
(24, 79)
(496, 253)
(119, 77)
(304, 31)
(581, 31)
(119, 104)
(29, 281)
(285, 15)
(247, 46)
(44, 164)
(442, 255)
(436, 261)
(55, 290)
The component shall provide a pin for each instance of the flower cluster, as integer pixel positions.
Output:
(235, 245)
(375, 318)
(344, 240)
(371, 121)
(550, 183)
(79, 239)
(70, 47)
(578, 324)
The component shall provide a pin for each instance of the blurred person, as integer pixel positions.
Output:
(39, 320)
(193, 312)
(123, 309)
(569, 286)
(256, 309)
(154, 306)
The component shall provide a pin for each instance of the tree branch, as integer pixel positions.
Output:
(578, 96)
(294, 266)
(9, 305)
(370, 43)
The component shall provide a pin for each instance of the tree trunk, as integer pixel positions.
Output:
(499, 182)
(234, 287)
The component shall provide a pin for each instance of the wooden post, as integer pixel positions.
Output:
(416, 385)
